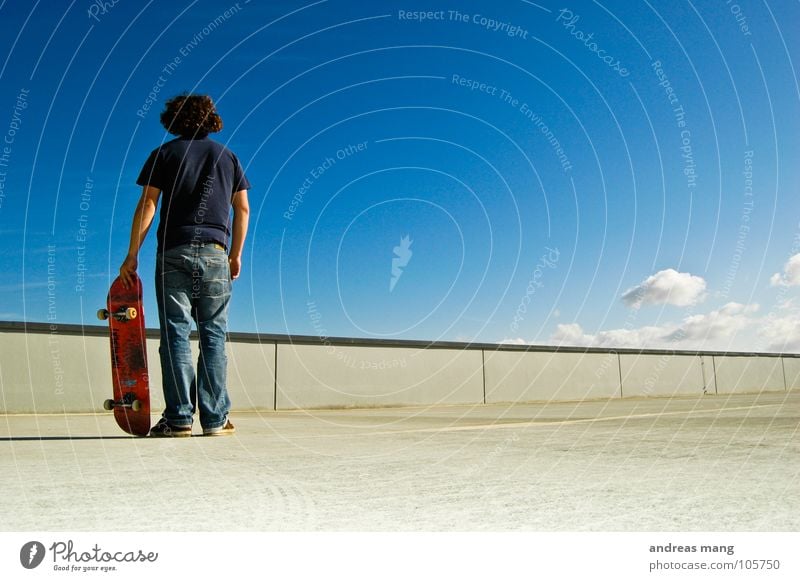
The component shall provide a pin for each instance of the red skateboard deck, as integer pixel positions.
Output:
(131, 402)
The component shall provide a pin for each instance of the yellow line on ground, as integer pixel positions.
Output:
(586, 420)
(532, 423)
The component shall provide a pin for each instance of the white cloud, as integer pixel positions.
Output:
(780, 330)
(667, 287)
(720, 326)
(573, 334)
(516, 341)
(733, 327)
(790, 275)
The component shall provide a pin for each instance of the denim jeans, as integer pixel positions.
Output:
(193, 283)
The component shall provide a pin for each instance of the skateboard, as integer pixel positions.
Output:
(131, 402)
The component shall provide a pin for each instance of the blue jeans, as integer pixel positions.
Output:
(193, 282)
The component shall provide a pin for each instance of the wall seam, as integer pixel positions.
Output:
(783, 369)
(703, 373)
(714, 374)
(275, 382)
(483, 371)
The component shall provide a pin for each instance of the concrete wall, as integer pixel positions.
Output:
(53, 373)
(513, 376)
(43, 372)
(662, 375)
(317, 376)
(748, 374)
(791, 369)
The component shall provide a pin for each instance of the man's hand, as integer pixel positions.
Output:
(236, 266)
(127, 271)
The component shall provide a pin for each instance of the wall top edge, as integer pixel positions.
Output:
(277, 339)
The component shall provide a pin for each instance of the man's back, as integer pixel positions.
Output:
(197, 177)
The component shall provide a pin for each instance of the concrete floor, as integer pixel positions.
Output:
(721, 463)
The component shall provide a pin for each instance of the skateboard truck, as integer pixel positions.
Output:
(128, 401)
(127, 314)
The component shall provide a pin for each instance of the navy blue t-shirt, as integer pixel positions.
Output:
(198, 178)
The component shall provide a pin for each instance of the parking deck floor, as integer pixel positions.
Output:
(719, 463)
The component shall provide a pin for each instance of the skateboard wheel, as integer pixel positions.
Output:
(108, 404)
(136, 405)
(102, 314)
(130, 313)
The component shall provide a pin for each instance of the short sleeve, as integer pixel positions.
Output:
(150, 174)
(240, 181)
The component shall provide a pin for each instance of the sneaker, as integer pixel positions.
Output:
(163, 429)
(225, 430)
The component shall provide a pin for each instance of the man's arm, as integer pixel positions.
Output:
(142, 220)
(241, 217)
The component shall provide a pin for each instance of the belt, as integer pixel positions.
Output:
(216, 245)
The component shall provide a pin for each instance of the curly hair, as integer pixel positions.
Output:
(191, 116)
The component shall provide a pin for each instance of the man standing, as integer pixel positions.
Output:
(201, 181)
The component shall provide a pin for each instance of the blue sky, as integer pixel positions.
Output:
(613, 174)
